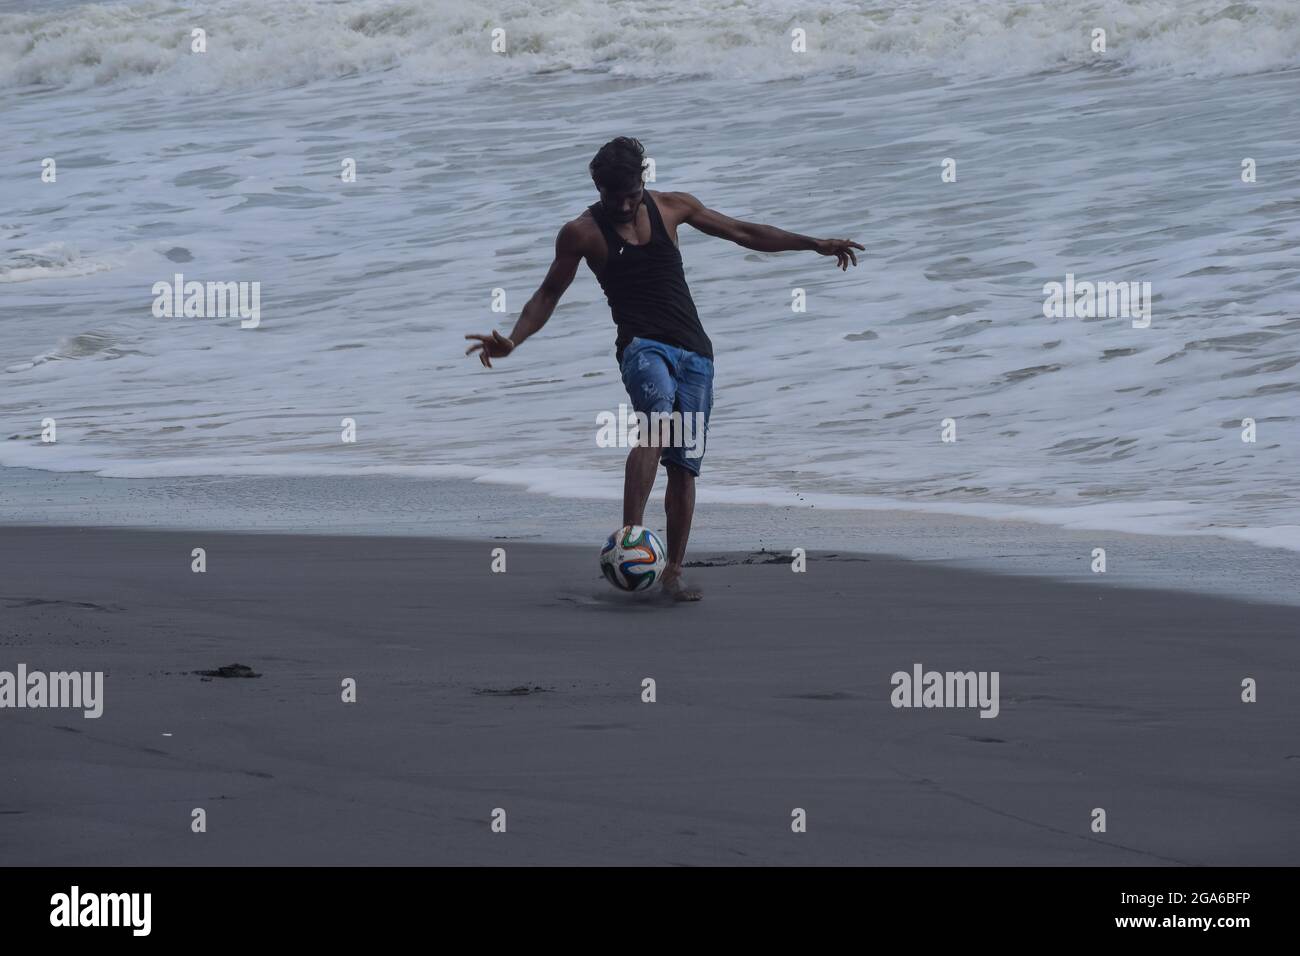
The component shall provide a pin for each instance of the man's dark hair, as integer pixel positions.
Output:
(619, 164)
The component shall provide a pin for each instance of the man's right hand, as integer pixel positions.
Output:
(841, 249)
(488, 347)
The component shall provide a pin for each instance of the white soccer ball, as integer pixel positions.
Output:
(633, 558)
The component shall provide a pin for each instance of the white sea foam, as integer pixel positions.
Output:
(56, 260)
(255, 44)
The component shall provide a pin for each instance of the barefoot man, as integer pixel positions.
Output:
(629, 240)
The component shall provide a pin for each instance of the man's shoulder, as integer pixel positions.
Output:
(579, 230)
(676, 206)
(670, 198)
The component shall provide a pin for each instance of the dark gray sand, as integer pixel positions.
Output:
(522, 691)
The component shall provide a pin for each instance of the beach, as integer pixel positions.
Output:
(998, 530)
(523, 691)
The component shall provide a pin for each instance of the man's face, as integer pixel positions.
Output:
(621, 204)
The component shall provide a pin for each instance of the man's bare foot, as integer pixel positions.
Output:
(671, 582)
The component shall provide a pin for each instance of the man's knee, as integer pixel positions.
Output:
(644, 460)
(679, 475)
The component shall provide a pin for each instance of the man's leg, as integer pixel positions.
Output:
(694, 402)
(638, 480)
(679, 503)
(650, 385)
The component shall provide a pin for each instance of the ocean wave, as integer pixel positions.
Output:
(96, 343)
(56, 260)
(252, 44)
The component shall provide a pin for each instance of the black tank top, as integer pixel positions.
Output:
(646, 287)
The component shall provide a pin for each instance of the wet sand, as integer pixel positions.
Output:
(523, 691)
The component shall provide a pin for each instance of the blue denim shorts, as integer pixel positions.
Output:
(663, 378)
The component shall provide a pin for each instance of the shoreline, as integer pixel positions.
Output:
(382, 506)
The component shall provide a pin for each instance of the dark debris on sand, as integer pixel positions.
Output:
(521, 691)
(230, 670)
(764, 556)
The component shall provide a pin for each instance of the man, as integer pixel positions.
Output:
(629, 240)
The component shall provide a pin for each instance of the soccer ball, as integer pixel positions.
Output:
(633, 558)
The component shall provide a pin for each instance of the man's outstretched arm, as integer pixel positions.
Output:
(568, 255)
(761, 238)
